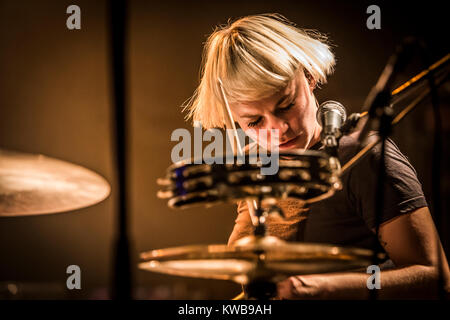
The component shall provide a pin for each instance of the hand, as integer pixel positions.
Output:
(303, 287)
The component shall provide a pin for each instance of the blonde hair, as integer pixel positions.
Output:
(255, 56)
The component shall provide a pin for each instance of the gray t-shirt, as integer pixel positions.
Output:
(348, 218)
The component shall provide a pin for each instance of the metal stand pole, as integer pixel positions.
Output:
(385, 128)
(122, 281)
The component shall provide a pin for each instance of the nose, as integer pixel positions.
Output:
(279, 124)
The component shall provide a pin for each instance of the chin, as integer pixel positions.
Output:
(296, 143)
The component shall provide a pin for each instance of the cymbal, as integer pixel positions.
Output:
(33, 184)
(267, 258)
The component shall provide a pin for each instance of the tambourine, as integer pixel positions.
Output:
(307, 175)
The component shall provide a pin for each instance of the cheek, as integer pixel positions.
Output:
(304, 119)
(298, 120)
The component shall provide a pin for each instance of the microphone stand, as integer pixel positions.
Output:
(381, 110)
(385, 128)
(378, 105)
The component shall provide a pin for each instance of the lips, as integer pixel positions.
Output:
(289, 144)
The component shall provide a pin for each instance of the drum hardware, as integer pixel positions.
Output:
(261, 260)
(253, 259)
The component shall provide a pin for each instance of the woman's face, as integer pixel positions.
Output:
(291, 112)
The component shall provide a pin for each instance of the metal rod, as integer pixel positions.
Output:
(421, 75)
(122, 283)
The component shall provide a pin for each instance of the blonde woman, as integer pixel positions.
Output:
(270, 69)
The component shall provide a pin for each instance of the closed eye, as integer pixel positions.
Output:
(254, 123)
(286, 108)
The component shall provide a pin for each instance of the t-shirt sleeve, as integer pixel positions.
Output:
(402, 189)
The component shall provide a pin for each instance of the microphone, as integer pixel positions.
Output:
(331, 115)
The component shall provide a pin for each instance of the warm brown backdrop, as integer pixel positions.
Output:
(55, 100)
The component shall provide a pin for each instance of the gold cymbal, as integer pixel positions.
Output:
(252, 257)
(33, 184)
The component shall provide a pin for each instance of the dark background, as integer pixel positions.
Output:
(55, 99)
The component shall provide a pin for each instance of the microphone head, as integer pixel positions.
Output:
(331, 106)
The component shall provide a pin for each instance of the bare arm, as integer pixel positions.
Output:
(411, 242)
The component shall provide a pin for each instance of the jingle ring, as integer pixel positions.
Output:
(306, 175)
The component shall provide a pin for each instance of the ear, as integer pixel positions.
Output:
(312, 84)
(311, 81)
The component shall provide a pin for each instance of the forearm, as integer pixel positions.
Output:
(410, 282)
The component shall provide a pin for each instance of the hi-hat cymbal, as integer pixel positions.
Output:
(267, 258)
(33, 184)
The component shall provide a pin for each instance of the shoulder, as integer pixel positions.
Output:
(394, 158)
(402, 189)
